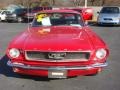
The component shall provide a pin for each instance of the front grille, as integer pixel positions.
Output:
(108, 19)
(57, 56)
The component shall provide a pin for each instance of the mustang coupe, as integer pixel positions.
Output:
(58, 44)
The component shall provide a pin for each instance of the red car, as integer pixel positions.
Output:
(87, 13)
(57, 45)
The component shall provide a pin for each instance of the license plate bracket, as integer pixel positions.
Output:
(57, 74)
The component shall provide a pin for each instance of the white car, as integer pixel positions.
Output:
(109, 15)
(3, 15)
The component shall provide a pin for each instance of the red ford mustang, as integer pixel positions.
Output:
(57, 45)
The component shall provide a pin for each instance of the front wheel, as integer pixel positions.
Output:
(0, 20)
(92, 74)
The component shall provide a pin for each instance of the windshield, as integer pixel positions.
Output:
(110, 10)
(20, 11)
(7, 12)
(52, 19)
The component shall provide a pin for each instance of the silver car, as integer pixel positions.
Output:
(109, 15)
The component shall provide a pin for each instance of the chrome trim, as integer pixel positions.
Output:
(64, 50)
(65, 60)
(20, 65)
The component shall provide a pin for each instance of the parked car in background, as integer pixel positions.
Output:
(17, 15)
(3, 14)
(31, 12)
(87, 13)
(109, 15)
(25, 14)
(58, 44)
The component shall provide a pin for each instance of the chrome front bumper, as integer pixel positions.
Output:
(20, 65)
(108, 22)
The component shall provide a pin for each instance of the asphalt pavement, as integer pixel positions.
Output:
(108, 79)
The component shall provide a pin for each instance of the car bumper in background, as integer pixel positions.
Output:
(109, 22)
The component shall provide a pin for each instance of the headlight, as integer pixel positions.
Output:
(14, 53)
(119, 19)
(101, 53)
(116, 19)
(14, 15)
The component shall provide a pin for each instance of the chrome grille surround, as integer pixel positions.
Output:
(59, 56)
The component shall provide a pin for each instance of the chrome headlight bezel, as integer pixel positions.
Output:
(14, 53)
(101, 53)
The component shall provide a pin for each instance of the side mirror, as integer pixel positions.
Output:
(98, 12)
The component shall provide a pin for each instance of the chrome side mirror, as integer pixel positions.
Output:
(98, 12)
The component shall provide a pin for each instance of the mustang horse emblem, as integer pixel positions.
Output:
(56, 56)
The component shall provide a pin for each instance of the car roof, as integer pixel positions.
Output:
(3, 10)
(110, 7)
(59, 11)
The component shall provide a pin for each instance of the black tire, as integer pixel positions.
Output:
(0, 20)
(9, 21)
(93, 74)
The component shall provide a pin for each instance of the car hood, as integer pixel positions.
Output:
(109, 15)
(57, 38)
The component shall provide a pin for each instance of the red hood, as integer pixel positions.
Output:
(57, 38)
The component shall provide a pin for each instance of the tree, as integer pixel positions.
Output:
(92, 2)
(53, 2)
(103, 2)
(45, 4)
(28, 3)
(76, 2)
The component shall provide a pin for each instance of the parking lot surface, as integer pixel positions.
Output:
(108, 79)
